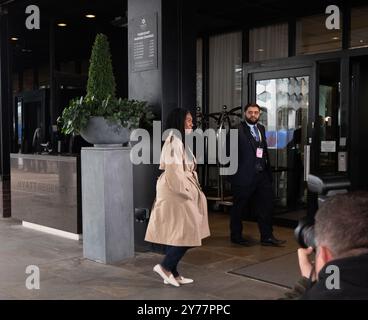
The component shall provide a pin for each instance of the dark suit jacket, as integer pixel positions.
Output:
(247, 147)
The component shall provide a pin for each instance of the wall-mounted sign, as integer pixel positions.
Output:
(328, 146)
(143, 43)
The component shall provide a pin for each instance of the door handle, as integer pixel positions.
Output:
(306, 162)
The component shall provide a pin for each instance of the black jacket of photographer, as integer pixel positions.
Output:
(353, 281)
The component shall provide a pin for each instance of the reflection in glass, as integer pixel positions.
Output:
(312, 36)
(327, 126)
(225, 72)
(284, 103)
(268, 42)
(328, 111)
(359, 27)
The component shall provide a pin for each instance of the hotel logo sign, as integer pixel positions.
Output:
(143, 24)
(143, 43)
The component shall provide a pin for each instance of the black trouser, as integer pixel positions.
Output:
(260, 194)
(172, 258)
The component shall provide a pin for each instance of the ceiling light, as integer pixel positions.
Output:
(335, 38)
(62, 24)
(260, 50)
(361, 41)
(90, 16)
(14, 39)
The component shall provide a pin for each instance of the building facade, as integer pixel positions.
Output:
(305, 64)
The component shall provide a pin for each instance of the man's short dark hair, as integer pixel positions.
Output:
(251, 105)
(342, 223)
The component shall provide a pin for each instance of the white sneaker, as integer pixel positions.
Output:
(182, 280)
(169, 279)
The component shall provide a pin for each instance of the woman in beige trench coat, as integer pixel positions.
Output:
(179, 215)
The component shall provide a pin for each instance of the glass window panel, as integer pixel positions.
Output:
(329, 124)
(68, 67)
(29, 49)
(312, 36)
(225, 86)
(44, 76)
(284, 103)
(28, 80)
(199, 81)
(31, 53)
(15, 82)
(359, 27)
(225, 72)
(268, 42)
(84, 67)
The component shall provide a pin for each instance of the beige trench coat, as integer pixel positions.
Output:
(179, 215)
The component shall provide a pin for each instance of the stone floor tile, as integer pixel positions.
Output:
(65, 274)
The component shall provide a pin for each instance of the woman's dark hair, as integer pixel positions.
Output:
(176, 120)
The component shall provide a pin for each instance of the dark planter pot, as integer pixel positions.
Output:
(101, 132)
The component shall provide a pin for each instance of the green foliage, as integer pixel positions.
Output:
(100, 100)
(101, 80)
(128, 113)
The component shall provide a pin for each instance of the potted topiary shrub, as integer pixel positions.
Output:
(100, 117)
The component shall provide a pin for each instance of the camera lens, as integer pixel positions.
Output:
(304, 233)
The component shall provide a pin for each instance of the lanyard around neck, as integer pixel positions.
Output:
(259, 132)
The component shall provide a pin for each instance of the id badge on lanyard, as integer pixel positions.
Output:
(259, 153)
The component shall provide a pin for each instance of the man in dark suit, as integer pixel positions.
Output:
(252, 183)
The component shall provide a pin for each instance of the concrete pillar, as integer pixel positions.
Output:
(107, 204)
(168, 81)
(171, 82)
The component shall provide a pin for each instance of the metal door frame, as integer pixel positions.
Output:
(311, 147)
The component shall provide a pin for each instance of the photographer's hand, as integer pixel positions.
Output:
(306, 266)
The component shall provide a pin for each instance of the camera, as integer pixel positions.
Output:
(304, 233)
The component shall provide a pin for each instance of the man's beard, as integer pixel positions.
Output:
(251, 121)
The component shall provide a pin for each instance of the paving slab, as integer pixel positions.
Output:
(66, 274)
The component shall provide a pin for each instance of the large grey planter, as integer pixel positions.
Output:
(103, 133)
(107, 204)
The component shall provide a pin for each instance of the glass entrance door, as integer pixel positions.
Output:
(285, 103)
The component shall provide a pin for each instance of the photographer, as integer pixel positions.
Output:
(340, 270)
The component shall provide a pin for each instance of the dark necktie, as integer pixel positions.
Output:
(255, 132)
